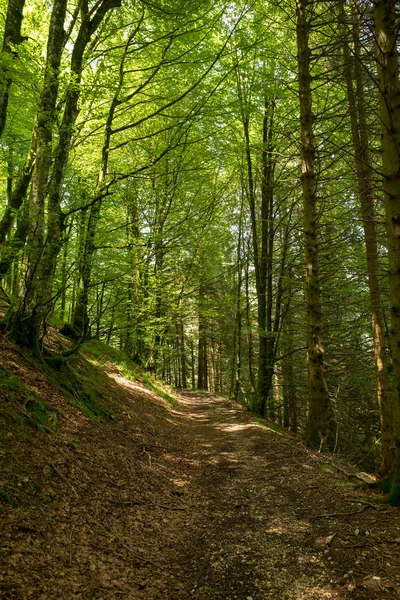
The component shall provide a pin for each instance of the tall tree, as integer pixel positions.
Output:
(25, 320)
(359, 132)
(386, 38)
(318, 421)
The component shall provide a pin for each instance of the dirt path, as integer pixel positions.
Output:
(198, 502)
(261, 528)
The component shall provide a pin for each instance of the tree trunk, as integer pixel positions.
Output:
(64, 276)
(202, 378)
(26, 320)
(18, 194)
(249, 330)
(359, 132)
(386, 33)
(318, 420)
(289, 388)
(55, 226)
(132, 236)
(16, 244)
(183, 354)
(80, 316)
(192, 364)
(237, 332)
(12, 38)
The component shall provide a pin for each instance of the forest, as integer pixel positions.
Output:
(214, 188)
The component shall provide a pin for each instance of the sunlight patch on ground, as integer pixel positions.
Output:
(310, 592)
(130, 384)
(276, 526)
(199, 418)
(309, 559)
(302, 526)
(279, 527)
(232, 427)
(180, 482)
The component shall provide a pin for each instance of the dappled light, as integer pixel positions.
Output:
(187, 498)
(199, 300)
(229, 427)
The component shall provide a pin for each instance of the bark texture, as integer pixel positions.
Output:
(12, 38)
(318, 420)
(359, 132)
(386, 34)
(26, 321)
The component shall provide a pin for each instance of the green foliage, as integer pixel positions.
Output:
(174, 195)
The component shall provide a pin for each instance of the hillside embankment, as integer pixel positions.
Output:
(110, 491)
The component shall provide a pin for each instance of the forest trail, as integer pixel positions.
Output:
(264, 506)
(197, 501)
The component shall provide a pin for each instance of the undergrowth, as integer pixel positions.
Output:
(104, 354)
(270, 424)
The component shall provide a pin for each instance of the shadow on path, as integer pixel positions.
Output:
(266, 516)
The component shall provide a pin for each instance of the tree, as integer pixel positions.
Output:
(318, 423)
(12, 38)
(359, 132)
(387, 56)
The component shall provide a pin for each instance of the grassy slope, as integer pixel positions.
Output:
(37, 410)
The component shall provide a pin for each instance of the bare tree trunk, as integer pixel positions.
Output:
(249, 328)
(318, 421)
(80, 316)
(64, 276)
(202, 378)
(289, 388)
(359, 131)
(192, 364)
(237, 333)
(183, 355)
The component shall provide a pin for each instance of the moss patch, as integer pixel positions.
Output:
(6, 498)
(29, 409)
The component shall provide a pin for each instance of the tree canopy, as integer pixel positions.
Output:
(213, 187)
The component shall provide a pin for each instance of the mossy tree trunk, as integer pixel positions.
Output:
(26, 319)
(55, 226)
(12, 38)
(385, 16)
(45, 242)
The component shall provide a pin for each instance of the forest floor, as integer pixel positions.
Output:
(197, 500)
